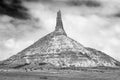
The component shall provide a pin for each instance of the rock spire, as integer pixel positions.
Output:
(59, 24)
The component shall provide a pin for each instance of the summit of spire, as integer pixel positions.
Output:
(59, 20)
(59, 24)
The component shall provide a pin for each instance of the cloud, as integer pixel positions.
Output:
(13, 8)
(87, 3)
(15, 34)
(99, 7)
(17, 28)
(96, 32)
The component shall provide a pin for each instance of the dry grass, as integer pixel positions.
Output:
(62, 75)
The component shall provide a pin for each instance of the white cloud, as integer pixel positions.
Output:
(10, 43)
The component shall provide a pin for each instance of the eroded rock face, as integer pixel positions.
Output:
(58, 50)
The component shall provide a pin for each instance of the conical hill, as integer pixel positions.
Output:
(58, 50)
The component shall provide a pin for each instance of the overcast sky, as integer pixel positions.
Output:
(93, 23)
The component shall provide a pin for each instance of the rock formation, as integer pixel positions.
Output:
(59, 51)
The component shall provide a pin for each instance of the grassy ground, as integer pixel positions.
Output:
(61, 75)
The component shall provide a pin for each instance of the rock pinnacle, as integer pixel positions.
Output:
(59, 24)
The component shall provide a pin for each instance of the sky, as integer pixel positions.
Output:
(93, 23)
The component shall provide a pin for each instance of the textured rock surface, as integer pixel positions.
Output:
(58, 50)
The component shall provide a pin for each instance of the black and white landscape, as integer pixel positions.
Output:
(81, 42)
